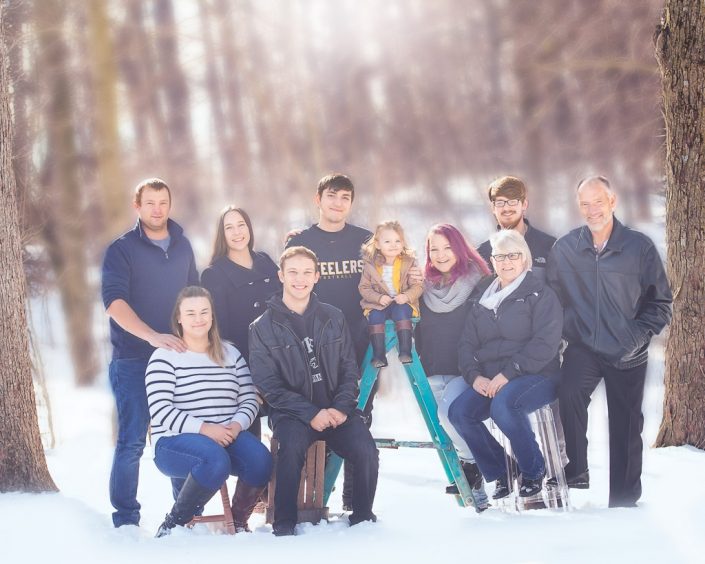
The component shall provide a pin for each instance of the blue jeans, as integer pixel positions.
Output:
(445, 390)
(393, 311)
(127, 381)
(209, 463)
(509, 409)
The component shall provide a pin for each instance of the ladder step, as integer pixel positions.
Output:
(393, 443)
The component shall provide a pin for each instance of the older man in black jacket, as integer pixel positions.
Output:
(615, 296)
(303, 363)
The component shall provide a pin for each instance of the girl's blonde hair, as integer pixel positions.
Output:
(371, 253)
(216, 350)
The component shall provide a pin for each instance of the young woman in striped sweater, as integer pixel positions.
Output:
(201, 403)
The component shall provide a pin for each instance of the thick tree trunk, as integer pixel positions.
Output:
(22, 463)
(111, 181)
(680, 50)
(64, 230)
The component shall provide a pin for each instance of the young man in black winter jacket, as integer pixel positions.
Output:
(302, 362)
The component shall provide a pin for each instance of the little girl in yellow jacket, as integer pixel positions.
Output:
(386, 290)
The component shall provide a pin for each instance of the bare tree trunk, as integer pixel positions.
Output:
(22, 463)
(680, 50)
(64, 229)
(110, 176)
(182, 151)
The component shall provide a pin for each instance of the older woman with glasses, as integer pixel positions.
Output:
(508, 354)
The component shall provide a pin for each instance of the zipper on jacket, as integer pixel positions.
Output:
(597, 298)
(305, 356)
(318, 358)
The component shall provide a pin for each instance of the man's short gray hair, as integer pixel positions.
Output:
(596, 178)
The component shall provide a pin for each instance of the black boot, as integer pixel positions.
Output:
(244, 500)
(377, 339)
(502, 488)
(192, 497)
(531, 487)
(579, 482)
(472, 475)
(403, 328)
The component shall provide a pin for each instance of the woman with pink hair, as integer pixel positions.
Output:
(453, 269)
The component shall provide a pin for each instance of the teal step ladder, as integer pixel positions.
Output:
(427, 404)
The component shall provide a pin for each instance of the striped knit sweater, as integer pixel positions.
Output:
(187, 389)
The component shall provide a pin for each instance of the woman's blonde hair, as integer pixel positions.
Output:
(371, 253)
(216, 350)
(508, 241)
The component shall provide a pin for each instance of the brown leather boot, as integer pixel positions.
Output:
(244, 500)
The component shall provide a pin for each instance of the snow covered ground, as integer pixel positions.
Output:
(417, 521)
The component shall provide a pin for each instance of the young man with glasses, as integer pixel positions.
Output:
(509, 203)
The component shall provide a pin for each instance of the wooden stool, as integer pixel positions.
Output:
(311, 491)
(225, 519)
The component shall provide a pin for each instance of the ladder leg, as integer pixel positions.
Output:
(429, 410)
(444, 446)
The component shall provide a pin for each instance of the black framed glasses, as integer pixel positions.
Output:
(510, 256)
(502, 203)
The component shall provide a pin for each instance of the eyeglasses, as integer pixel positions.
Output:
(510, 256)
(502, 203)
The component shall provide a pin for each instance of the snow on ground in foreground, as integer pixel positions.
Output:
(417, 521)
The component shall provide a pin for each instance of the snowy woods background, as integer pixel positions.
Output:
(250, 102)
(422, 103)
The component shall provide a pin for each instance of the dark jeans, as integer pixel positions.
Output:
(509, 410)
(361, 341)
(209, 463)
(127, 382)
(393, 311)
(582, 372)
(351, 441)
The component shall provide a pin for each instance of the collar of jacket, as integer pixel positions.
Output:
(615, 243)
(530, 285)
(175, 231)
(241, 276)
(281, 313)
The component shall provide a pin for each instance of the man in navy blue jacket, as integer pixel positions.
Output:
(615, 297)
(143, 271)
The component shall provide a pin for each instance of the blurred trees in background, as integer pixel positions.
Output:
(251, 101)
